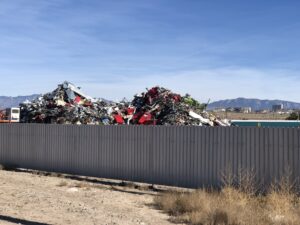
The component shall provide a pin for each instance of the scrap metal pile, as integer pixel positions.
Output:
(158, 106)
(65, 105)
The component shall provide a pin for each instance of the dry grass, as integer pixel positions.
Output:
(251, 116)
(83, 185)
(62, 184)
(237, 204)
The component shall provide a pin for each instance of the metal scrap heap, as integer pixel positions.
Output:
(157, 106)
(160, 106)
(65, 105)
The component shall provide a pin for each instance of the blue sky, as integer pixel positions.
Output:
(114, 49)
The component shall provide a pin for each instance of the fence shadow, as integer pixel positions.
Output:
(116, 185)
(20, 221)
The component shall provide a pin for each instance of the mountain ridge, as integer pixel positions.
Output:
(254, 103)
(9, 101)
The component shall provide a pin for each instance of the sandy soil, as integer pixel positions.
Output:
(32, 199)
(251, 116)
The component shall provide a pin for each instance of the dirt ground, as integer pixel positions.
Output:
(251, 116)
(33, 199)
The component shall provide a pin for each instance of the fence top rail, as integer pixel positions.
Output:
(143, 127)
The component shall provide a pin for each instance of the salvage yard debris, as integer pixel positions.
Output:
(65, 105)
(157, 106)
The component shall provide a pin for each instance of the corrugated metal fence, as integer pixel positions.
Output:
(180, 156)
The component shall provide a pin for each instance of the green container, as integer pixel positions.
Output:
(265, 123)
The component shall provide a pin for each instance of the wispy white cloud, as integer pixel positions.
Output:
(208, 84)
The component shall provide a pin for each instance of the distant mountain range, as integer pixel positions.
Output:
(255, 104)
(7, 102)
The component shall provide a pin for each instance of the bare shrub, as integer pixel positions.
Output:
(244, 180)
(167, 202)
